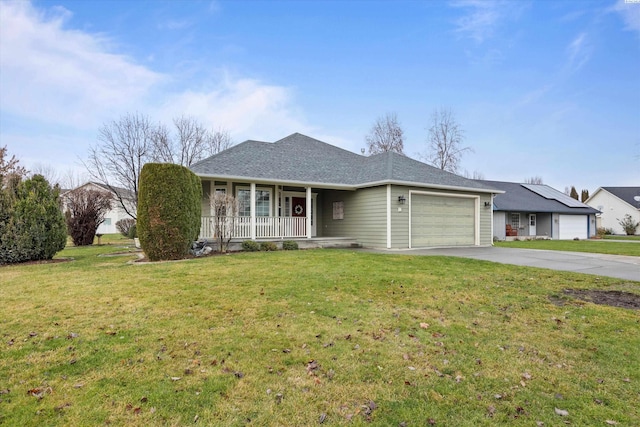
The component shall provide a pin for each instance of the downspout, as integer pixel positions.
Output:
(491, 217)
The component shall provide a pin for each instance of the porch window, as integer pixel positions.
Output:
(515, 220)
(223, 209)
(263, 202)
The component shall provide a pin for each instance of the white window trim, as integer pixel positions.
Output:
(519, 219)
(269, 189)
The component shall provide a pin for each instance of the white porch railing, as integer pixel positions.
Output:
(266, 227)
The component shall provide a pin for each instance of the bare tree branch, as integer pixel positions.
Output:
(225, 209)
(445, 141)
(9, 167)
(385, 135)
(533, 180)
(219, 140)
(126, 145)
(85, 211)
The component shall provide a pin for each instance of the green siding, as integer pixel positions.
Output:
(365, 215)
(486, 219)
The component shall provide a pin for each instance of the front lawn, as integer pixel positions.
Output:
(619, 237)
(308, 337)
(594, 246)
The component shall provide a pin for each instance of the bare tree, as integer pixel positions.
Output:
(445, 141)
(85, 210)
(385, 135)
(190, 142)
(219, 141)
(125, 146)
(225, 210)
(72, 179)
(475, 175)
(49, 172)
(9, 166)
(533, 180)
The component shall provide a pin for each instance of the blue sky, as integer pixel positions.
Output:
(541, 88)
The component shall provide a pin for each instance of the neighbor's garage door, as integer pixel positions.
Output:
(442, 221)
(572, 226)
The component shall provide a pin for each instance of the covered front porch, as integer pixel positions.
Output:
(261, 227)
(264, 211)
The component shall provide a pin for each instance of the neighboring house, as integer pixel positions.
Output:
(614, 203)
(299, 187)
(115, 214)
(539, 211)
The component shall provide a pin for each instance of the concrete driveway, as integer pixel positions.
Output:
(618, 266)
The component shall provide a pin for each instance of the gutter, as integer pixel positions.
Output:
(335, 186)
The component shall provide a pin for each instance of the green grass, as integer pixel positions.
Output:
(592, 246)
(285, 338)
(618, 237)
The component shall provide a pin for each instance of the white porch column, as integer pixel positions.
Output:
(389, 216)
(309, 212)
(253, 211)
(278, 203)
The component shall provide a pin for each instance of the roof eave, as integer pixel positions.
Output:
(238, 178)
(425, 185)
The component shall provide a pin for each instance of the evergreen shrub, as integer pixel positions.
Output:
(32, 225)
(250, 246)
(290, 245)
(268, 246)
(169, 210)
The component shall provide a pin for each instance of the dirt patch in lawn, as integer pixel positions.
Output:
(611, 298)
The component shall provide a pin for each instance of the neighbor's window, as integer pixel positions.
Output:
(515, 220)
(107, 221)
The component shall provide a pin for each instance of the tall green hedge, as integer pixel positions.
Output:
(169, 210)
(32, 226)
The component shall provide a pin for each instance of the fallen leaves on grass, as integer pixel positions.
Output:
(561, 412)
(39, 392)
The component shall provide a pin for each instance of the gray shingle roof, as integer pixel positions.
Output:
(518, 198)
(301, 159)
(625, 193)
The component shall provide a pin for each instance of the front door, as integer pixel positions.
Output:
(295, 205)
(298, 206)
(532, 224)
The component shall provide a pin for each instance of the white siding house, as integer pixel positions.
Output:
(614, 203)
(113, 216)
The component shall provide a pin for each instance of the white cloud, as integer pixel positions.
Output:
(246, 107)
(630, 13)
(483, 17)
(60, 81)
(579, 51)
(56, 75)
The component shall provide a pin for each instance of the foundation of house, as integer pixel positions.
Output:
(512, 238)
(312, 243)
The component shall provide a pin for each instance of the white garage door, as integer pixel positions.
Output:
(572, 226)
(442, 221)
